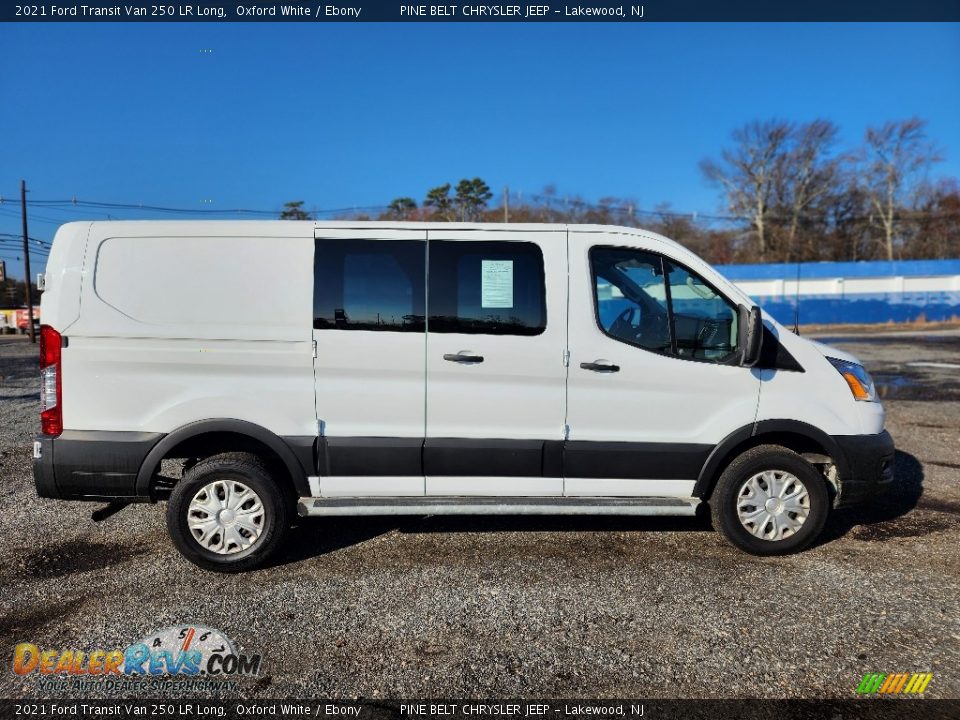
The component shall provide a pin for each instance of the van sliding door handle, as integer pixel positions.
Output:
(464, 356)
(600, 366)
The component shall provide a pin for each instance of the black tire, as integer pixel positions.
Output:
(723, 502)
(244, 468)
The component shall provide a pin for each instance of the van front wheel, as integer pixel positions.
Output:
(227, 514)
(770, 501)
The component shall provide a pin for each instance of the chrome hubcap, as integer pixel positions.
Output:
(773, 505)
(225, 516)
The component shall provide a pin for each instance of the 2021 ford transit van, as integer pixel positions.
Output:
(421, 368)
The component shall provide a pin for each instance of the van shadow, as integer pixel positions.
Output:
(315, 537)
(556, 523)
(880, 521)
(883, 518)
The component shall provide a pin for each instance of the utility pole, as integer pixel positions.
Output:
(26, 260)
(506, 203)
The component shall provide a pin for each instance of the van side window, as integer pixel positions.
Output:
(631, 297)
(646, 300)
(369, 285)
(494, 288)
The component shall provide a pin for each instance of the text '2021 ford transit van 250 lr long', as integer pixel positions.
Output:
(422, 368)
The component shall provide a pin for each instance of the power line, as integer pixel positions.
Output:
(631, 210)
(19, 248)
(75, 203)
(551, 202)
(33, 216)
(35, 245)
(19, 251)
(11, 236)
(36, 240)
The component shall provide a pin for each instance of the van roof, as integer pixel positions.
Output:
(283, 228)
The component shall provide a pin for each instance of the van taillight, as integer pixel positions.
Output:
(51, 407)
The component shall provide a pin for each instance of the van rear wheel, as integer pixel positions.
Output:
(228, 514)
(770, 501)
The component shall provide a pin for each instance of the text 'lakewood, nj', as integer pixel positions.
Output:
(518, 11)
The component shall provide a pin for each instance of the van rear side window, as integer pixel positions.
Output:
(369, 285)
(494, 288)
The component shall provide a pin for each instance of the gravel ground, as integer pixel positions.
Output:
(500, 607)
(19, 394)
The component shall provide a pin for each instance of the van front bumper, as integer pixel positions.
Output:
(867, 467)
(91, 465)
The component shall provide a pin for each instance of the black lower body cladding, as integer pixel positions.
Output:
(106, 465)
(501, 457)
(869, 466)
(91, 464)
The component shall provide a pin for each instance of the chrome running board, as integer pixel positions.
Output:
(313, 506)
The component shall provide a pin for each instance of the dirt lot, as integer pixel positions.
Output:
(549, 607)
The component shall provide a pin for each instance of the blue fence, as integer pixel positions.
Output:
(854, 292)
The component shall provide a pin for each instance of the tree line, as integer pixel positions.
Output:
(789, 193)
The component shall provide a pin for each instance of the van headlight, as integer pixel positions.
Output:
(859, 380)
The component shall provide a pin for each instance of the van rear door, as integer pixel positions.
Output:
(369, 301)
(496, 336)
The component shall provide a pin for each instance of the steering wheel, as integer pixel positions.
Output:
(707, 333)
(651, 329)
(622, 325)
(710, 339)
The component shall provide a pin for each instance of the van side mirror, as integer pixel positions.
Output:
(751, 335)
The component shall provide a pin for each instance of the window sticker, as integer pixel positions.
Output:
(496, 283)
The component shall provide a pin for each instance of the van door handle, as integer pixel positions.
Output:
(601, 366)
(465, 357)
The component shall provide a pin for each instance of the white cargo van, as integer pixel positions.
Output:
(421, 368)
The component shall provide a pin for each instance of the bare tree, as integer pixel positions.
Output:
(808, 176)
(936, 232)
(894, 156)
(748, 173)
(846, 233)
(780, 177)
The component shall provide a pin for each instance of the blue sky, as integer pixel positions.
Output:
(343, 115)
